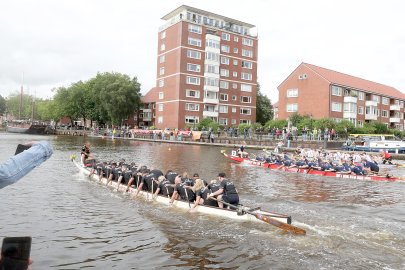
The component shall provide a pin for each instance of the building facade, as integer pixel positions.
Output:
(206, 68)
(324, 93)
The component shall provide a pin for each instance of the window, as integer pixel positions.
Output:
(225, 48)
(223, 97)
(226, 36)
(194, 42)
(385, 101)
(193, 67)
(336, 91)
(161, 83)
(212, 43)
(360, 110)
(235, 86)
(212, 56)
(247, 42)
(192, 119)
(244, 121)
(376, 98)
(246, 76)
(384, 113)
(224, 72)
(235, 62)
(401, 104)
(224, 84)
(235, 74)
(235, 50)
(211, 81)
(162, 59)
(192, 107)
(359, 123)
(194, 28)
(163, 35)
(223, 121)
(233, 121)
(245, 111)
(361, 95)
(336, 107)
(160, 119)
(223, 109)
(246, 87)
(293, 107)
(212, 69)
(247, 64)
(349, 107)
(162, 71)
(245, 99)
(292, 92)
(233, 109)
(235, 38)
(192, 93)
(193, 80)
(162, 47)
(234, 97)
(161, 95)
(224, 60)
(160, 107)
(193, 54)
(247, 53)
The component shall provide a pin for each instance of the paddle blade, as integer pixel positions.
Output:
(281, 225)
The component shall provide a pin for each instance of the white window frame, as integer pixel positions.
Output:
(234, 85)
(233, 109)
(193, 80)
(162, 47)
(235, 38)
(249, 99)
(189, 91)
(223, 97)
(212, 56)
(246, 87)
(244, 121)
(384, 113)
(160, 120)
(336, 91)
(225, 36)
(292, 92)
(160, 107)
(245, 111)
(193, 67)
(223, 84)
(223, 121)
(161, 83)
(194, 42)
(224, 72)
(336, 106)
(292, 107)
(247, 53)
(225, 48)
(247, 42)
(385, 101)
(163, 35)
(212, 43)
(246, 76)
(235, 50)
(233, 121)
(162, 71)
(223, 109)
(212, 69)
(235, 74)
(194, 107)
(161, 95)
(162, 58)
(360, 95)
(190, 54)
(247, 64)
(360, 110)
(376, 98)
(190, 119)
(192, 28)
(224, 60)
(235, 62)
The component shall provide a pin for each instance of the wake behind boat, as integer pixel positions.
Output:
(272, 166)
(240, 213)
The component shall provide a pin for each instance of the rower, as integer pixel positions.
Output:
(182, 190)
(110, 172)
(370, 167)
(165, 187)
(201, 191)
(171, 175)
(227, 192)
(386, 157)
(149, 181)
(85, 154)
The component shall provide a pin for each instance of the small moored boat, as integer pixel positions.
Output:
(238, 213)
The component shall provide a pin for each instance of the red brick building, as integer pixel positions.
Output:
(324, 93)
(206, 67)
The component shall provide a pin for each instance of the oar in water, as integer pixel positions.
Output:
(185, 190)
(267, 219)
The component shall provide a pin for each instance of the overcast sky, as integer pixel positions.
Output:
(55, 43)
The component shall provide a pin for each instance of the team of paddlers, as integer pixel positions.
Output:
(172, 185)
(355, 163)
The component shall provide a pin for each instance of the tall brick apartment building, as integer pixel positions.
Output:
(324, 93)
(206, 67)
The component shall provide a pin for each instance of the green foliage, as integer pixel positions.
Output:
(3, 105)
(295, 119)
(256, 126)
(208, 123)
(324, 123)
(276, 124)
(152, 128)
(380, 128)
(344, 127)
(242, 127)
(13, 105)
(264, 109)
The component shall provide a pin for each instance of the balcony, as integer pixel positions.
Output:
(210, 113)
(395, 120)
(146, 110)
(371, 103)
(395, 107)
(370, 116)
(350, 99)
(211, 88)
(211, 100)
(349, 115)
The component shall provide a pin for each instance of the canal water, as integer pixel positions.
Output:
(77, 224)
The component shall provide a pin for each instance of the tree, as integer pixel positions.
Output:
(3, 106)
(116, 96)
(208, 123)
(280, 124)
(13, 105)
(295, 119)
(325, 123)
(344, 127)
(264, 109)
(380, 128)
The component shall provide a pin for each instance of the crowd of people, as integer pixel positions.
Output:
(175, 186)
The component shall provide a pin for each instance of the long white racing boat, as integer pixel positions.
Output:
(239, 213)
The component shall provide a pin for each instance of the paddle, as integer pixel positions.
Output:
(185, 190)
(267, 219)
